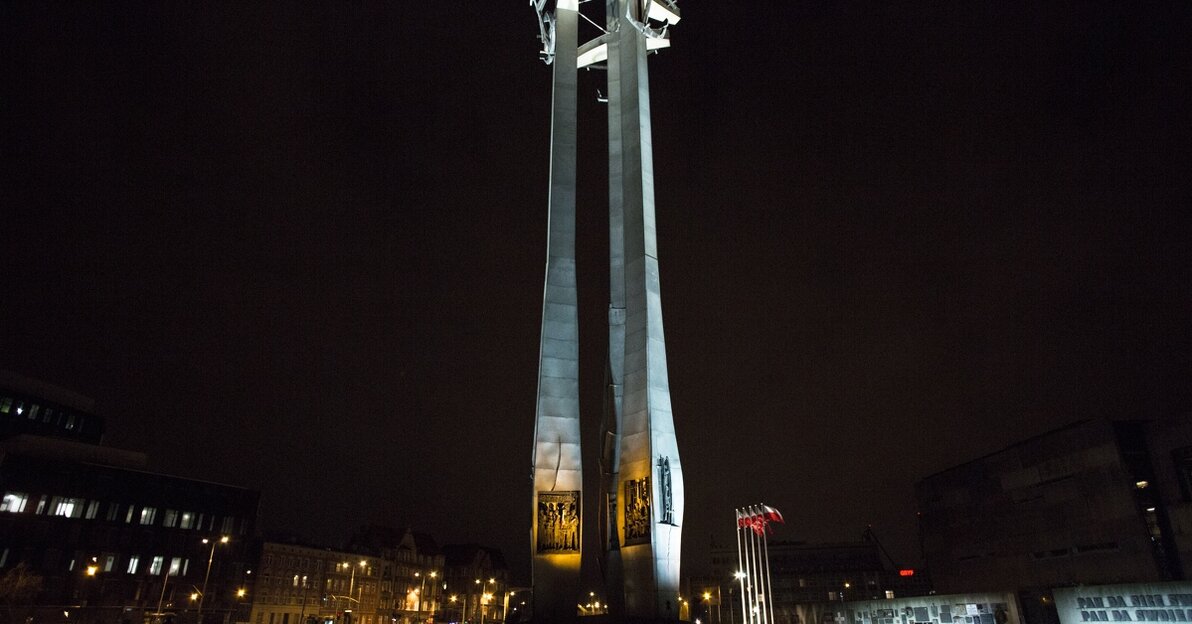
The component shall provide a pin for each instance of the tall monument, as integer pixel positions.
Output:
(641, 479)
(558, 472)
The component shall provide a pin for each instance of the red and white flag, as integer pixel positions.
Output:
(758, 518)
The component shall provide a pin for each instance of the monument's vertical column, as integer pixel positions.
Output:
(610, 454)
(650, 477)
(558, 475)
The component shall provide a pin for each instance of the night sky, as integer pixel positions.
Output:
(300, 247)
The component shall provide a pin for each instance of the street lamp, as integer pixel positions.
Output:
(418, 592)
(352, 583)
(485, 598)
(206, 577)
(505, 605)
(433, 576)
(422, 592)
(740, 576)
(240, 593)
(352, 579)
(484, 595)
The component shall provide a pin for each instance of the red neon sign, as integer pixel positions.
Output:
(906, 573)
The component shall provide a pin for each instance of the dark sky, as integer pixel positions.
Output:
(300, 247)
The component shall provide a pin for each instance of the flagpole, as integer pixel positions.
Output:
(761, 561)
(755, 586)
(741, 573)
(741, 578)
(749, 568)
(769, 582)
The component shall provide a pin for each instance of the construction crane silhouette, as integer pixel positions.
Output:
(868, 536)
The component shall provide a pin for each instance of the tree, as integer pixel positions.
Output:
(18, 587)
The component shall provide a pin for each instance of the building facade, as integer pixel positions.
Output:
(34, 407)
(476, 585)
(383, 576)
(100, 538)
(1096, 502)
(411, 574)
(295, 584)
(1170, 444)
(974, 608)
(802, 573)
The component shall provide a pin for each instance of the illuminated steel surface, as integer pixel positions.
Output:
(558, 470)
(641, 478)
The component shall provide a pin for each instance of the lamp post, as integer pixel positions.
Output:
(485, 598)
(484, 595)
(352, 579)
(165, 576)
(206, 577)
(352, 582)
(505, 605)
(89, 590)
(422, 592)
(235, 611)
(480, 602)
(740, 576)
(433, 579)
(302, 615)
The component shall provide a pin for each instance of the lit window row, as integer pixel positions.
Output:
(32, 411)
(69, 507)
(178, 565)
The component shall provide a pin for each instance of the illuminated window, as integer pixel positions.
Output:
(109, 563)
(70, 421)
(68, 507)
(128, 517)
(132, 564)
(170, 519)
(14, 502)
(175, 566)
(156, 566)
(33, 412)
(20, 408)
(92, 510)
(3, 557)
(41, 505)
(113, 511)
(5, 405)
(188, 520)
(148, 515)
